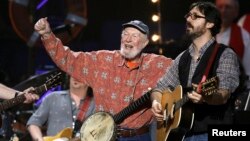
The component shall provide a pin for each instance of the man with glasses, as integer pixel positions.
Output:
(190, 70)
(117, 78)
(193, 16)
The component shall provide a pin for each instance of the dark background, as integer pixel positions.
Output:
(18, 62)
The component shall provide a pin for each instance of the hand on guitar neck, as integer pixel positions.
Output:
(53, 81)
(203, 90)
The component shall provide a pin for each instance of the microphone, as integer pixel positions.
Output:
(62, 28)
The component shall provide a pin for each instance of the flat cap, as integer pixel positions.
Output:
(138, 25)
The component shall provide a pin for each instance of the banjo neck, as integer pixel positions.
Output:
(133, 107)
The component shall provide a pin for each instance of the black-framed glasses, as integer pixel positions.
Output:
(193, 16)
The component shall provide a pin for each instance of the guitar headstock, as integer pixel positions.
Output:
(209, 87)
(54, 80)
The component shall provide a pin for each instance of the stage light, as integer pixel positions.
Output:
(155, 37)
(155, 18)
(154, 1)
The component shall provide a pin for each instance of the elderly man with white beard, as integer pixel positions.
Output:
(118, 78)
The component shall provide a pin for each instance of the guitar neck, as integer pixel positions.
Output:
(20, 98)
(119, 117)
(181, 102)
(41, 89)
(207, 88)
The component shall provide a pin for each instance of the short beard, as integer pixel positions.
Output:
(193, 36)
(130, 55)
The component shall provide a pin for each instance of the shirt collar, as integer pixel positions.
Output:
(203, 49)
(122, 62)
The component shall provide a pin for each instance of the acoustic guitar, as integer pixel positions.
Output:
(63, 135)
(183, 116)
(54, 80)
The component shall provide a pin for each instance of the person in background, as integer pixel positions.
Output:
(117, 77)
(61, 109)
(233, 35)
(202, 24)
(244, 22)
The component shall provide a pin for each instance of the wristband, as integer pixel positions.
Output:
(16, 94)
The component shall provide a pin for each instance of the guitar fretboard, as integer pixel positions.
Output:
(119, 117)
(181, 102)
(208, 87)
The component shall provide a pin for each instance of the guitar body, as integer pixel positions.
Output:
(186, 123)
(65, 134)
(181, 121)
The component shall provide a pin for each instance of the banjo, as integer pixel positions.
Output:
(101, 126)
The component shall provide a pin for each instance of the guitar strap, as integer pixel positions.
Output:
(210, 62)
(83, 108)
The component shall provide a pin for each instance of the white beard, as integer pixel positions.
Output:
(130, 53)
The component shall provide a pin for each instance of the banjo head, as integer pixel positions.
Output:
(98, 127)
